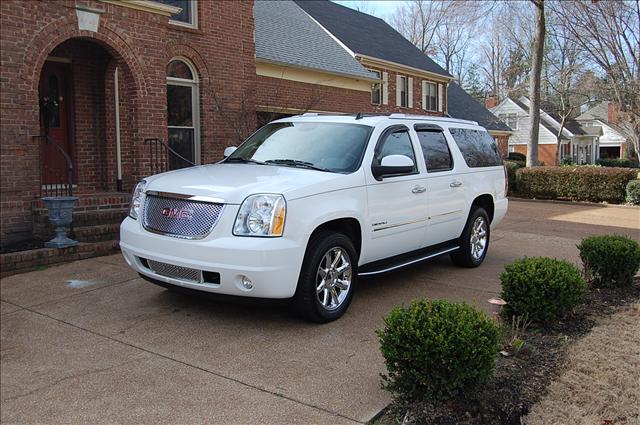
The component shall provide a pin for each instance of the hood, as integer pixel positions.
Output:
(234, 182)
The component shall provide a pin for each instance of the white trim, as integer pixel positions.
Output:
(413, 70)
(385, 88)
(440, 97)
(424, 94)
(398, 94)
(410, 92)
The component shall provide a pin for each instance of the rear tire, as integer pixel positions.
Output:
(474, 242)
(327, 278)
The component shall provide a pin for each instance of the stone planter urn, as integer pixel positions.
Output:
(60, 210)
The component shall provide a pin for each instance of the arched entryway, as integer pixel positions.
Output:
(87, 98)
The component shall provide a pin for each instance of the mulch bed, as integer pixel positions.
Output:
(520, 380)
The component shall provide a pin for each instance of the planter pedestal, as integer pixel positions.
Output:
(60, 210)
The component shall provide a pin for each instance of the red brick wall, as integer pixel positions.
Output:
(546, 153)
(277, 93)
(141, 44)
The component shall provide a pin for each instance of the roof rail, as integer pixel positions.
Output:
(430, 118)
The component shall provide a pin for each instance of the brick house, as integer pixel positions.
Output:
(127, 88)
(173, 70)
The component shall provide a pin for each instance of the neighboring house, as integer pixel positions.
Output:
(577, 142)
(105, 78)
(605, 116)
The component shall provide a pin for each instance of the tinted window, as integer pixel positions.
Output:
(331, 146)
(435, 150)
(477, 146)
(396, 143)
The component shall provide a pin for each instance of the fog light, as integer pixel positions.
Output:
(246, 282)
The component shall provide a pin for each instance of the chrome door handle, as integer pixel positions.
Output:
(419, 189)
(455, 183)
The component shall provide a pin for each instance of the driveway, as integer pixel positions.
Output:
(91, 342)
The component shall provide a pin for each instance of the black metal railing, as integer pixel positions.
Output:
(56, 168)
(163, 157)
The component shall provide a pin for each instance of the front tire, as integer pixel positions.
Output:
(327, 278)
(474, 242)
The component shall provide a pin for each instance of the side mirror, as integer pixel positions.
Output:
(392, 165)
(229, 150)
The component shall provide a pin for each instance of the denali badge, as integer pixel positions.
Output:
(177, 213)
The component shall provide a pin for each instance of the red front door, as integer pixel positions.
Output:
(55, 79)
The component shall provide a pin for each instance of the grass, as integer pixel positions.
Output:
(600, 383)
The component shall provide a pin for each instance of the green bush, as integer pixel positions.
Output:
(512, 167)
(633, 192)
(436, 349)
(517, 156)
(542, 288)
(593, 184)
(610, 260)
(616, 162)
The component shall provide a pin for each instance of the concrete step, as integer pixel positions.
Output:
(97, 233)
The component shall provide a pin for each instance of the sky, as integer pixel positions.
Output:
(380, 8)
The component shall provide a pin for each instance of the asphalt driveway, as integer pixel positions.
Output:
(90, 342)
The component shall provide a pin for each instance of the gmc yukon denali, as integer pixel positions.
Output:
(309, 204)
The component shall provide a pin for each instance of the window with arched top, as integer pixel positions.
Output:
(183, 118)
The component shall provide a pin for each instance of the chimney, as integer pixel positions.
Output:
(491, 101)
(612, 113)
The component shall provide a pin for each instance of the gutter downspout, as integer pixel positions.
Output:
(118, 152)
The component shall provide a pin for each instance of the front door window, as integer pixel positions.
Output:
(182, 114)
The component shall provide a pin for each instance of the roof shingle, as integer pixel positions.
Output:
(462, 105)
(286, 34)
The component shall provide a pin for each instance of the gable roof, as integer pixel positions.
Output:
(462, 105)
(367, 35)
(285, 34)
(543, 122)
(598, 112)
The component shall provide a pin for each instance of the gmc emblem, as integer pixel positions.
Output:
(177, 213)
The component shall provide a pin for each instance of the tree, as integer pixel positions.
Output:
(609, 33)
(534, 88)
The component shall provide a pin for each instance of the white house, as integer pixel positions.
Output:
(604, 115)
(578, 142)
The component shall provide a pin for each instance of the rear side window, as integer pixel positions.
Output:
(435, 149)
(477, 146)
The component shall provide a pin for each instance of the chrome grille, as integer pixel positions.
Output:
(180, 218)
(176, 272)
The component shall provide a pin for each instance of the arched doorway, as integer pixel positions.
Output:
(86, 95)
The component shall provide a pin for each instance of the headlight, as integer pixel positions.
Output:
(261, 215)
(136, 199)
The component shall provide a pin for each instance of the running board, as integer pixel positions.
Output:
(404, 260)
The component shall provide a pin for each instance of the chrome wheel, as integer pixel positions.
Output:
(333, 278)
(478, 240)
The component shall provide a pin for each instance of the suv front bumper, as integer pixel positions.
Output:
(271, 264)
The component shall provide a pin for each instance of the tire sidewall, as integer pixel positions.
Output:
(306, 296)
(466, 242)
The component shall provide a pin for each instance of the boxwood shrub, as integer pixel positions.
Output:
(633, 192)
(542, 288)
(436, 349)
(512, 167)
(593, 184)
(610, 260)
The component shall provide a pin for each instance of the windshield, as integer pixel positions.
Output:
(325, 146)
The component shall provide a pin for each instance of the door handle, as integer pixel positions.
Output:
(419, 189)
(455, 183)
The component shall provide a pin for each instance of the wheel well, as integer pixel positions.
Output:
(486, 202)
(350, 227)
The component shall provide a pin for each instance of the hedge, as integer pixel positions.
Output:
(633, 192)
(593, 184)
(616, 162)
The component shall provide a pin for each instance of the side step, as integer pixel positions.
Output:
(403, 260)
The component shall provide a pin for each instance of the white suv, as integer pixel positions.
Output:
(308, 204)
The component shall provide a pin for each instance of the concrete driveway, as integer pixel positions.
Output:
(90, 342)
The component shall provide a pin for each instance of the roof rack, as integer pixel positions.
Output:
(430, 118)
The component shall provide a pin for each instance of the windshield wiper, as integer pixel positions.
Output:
(243, 160)
(296, 163)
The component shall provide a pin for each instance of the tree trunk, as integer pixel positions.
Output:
(534, 88)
